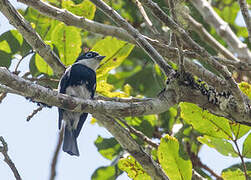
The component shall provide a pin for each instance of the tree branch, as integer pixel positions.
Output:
(35, 111)
(20, 86)
(223, 29)
(4, 151)
(32, 37)
(138, 133)
(225, 106)
(198, 28)
(146, 18)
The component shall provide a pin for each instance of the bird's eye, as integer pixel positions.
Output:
(88, 55)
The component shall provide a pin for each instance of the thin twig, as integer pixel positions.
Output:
(34, 113)
(202, 32)
(20, 60)
(139, 134)
(56, 154)
(4, 151)
(2, 96)
(146, 18)
(197, 162)
(176, 39)
(246, 15)
(242, 159)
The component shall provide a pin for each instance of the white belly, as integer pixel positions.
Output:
(72, 118)
(79, 91)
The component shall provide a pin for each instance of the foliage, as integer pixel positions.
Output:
(128, 72)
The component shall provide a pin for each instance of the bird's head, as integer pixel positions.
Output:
(90, 59)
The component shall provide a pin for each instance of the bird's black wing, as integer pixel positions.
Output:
(62, 89)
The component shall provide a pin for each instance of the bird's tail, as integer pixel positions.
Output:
(70, 142)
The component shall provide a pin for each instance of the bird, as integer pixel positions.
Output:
(79, 80)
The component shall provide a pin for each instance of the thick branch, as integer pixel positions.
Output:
(172, 95)
(223, 29)
(31, 36)
(41, 94)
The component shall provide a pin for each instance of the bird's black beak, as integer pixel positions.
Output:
(99, 57)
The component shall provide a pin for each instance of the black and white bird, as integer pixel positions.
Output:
(79, 80)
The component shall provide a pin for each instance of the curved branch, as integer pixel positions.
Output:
(206, 36)
(32, 37)
(4, 151)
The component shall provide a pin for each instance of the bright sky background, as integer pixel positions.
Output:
(32, 144)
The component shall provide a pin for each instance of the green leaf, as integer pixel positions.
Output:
(115, 51)
(133, 169)
(86, 8)
(238, 166)
(245, 88)
(67, 40)
(229, 13)
(5, 59)
(32, 65)
(168, 118)
(108, 147)
(42, 66)
(205, 122)
(221, 145)
(106, 89)
(233, 175)
(144, 124)
(4, 46)
(175, 163)
(39, 22)
(11, 41)
(246, 150)
(106, 173)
